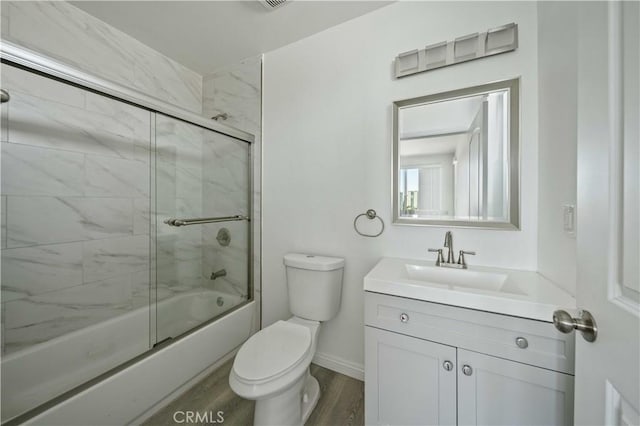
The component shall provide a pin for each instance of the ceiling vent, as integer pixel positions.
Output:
(273, 4)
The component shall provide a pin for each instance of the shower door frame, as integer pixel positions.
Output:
(30, 61)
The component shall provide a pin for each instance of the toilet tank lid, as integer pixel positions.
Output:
(312, 262)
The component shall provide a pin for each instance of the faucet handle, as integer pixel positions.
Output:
(461, 260)
(440, 256)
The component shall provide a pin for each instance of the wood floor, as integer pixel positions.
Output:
(341, 401)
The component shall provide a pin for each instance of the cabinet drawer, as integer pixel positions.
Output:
(494, 334)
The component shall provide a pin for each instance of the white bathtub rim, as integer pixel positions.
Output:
(74, 334)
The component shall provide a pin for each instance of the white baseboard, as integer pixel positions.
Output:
(339, 365)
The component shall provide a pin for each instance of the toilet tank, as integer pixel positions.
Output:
(315, 285)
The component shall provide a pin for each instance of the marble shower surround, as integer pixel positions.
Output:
(76, 208)
(236, 90)
(72, 36)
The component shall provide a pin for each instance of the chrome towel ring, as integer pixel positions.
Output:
(370, 214)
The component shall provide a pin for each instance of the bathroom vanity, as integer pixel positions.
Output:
(477, 346)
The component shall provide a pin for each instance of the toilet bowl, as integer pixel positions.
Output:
(272, 367)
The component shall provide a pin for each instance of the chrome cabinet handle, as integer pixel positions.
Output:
(448, 365)
(467, 370)
(404, 317)
(4, 96)
(586, 324)
(522, 343)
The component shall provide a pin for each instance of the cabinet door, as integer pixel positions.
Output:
(500, 392)
(406, 382)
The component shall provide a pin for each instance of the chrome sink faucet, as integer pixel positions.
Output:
(448, 243)
(450, 263)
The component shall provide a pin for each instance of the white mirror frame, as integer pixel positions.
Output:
(513, 222)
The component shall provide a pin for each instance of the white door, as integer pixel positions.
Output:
(607, 383)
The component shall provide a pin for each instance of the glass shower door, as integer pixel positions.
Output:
(75, 237)
(202, 269)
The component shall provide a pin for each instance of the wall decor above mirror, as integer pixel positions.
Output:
(456, 158)
(466, 48)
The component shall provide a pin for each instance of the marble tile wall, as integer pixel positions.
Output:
(236, 90)
(70, 35)
(75, 209)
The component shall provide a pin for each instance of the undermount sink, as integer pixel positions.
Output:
(519, 293)
(460, 279)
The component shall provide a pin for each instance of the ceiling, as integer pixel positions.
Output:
(207, 35)
(439, 118)
(434, 145)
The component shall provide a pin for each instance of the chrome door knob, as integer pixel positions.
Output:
(586, 324)
(467, 370)
(448, 365)
(404, 317)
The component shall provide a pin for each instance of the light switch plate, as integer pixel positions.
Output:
(569, 219)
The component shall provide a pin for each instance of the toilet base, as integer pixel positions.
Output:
(310, 396)
(290, 408)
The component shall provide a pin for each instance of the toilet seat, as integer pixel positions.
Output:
(272, 352)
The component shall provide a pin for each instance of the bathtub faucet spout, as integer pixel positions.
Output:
(218, 274)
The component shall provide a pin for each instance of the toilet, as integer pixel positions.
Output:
(272, 367)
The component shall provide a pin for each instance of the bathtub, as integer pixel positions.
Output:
(35, 375)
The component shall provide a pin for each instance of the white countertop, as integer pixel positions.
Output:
(524, 294)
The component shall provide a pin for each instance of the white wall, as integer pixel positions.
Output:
(557, 69)
(66, 33)
(327, 148)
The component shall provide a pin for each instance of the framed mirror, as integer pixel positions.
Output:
(456, 158)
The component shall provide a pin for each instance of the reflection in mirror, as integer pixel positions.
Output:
(456, 157)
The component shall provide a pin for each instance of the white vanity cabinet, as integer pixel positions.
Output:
(434, 364)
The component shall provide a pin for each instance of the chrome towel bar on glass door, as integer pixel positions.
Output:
(201, 220)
